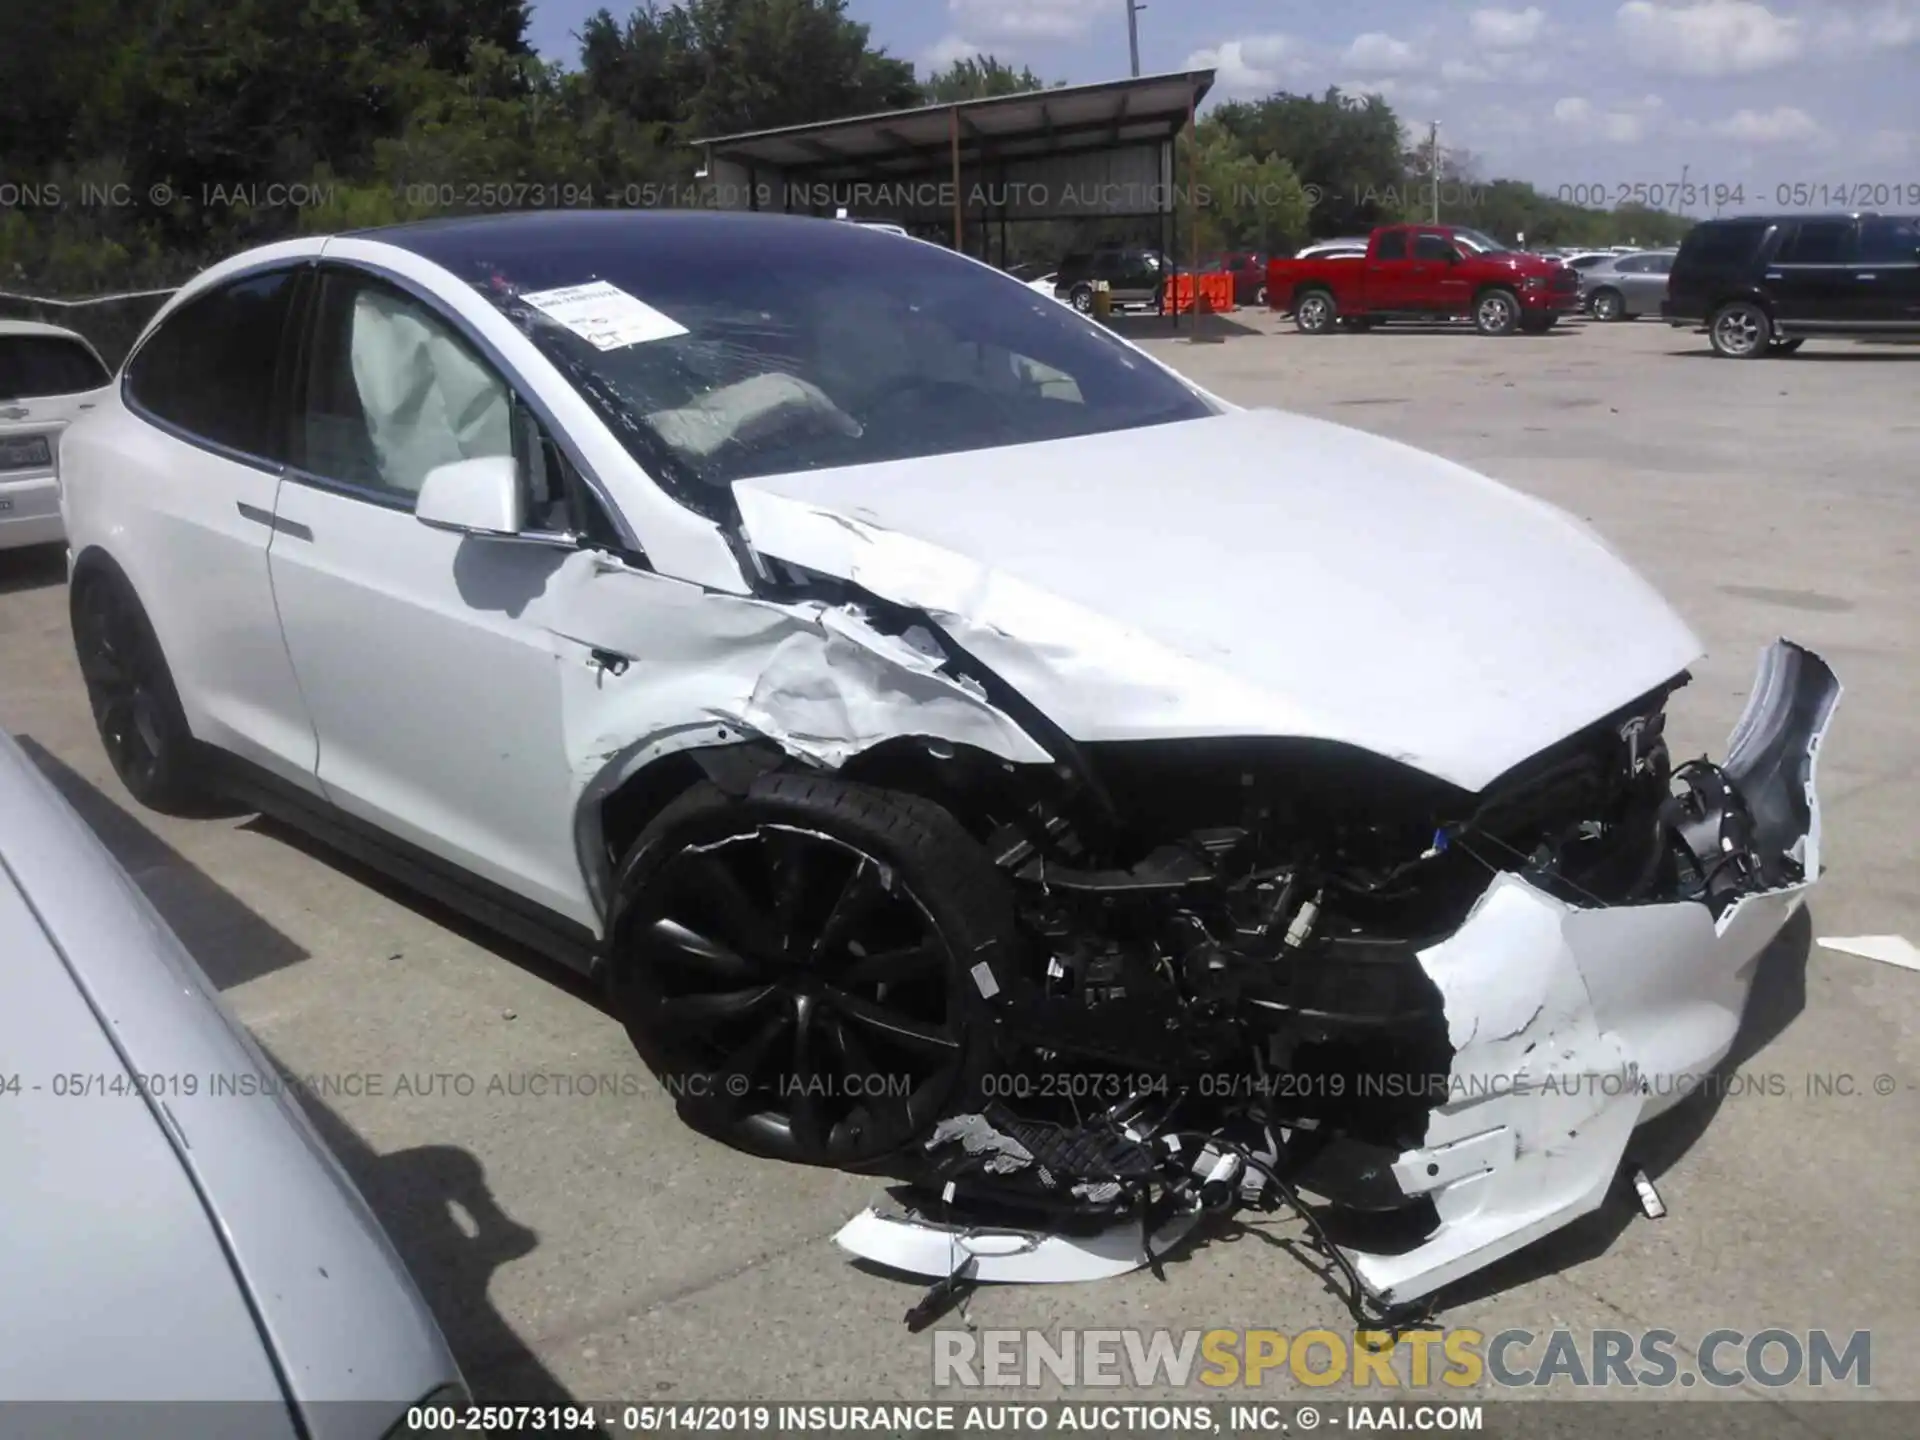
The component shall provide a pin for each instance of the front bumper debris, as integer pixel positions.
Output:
(1569, 1025)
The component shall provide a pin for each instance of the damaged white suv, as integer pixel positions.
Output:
(971, 753)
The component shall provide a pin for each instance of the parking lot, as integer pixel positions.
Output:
(576, 1240)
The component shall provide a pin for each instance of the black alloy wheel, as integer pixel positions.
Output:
(801, 994)
(135, 707)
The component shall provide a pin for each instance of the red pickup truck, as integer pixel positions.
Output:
(1425, 272)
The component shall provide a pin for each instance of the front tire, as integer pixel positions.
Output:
(1740, 330)
(798, 964)
(136, 708)
(1496, 312)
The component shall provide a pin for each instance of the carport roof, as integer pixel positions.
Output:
(1033, 123)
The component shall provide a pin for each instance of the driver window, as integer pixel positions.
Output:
(393, 391)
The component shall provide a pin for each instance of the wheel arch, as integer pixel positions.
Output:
(1752, 294)
(93, 562)
(635, 787)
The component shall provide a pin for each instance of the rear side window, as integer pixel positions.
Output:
(210, 367)
(1714, 246)
(1391, 246)
(33, 366)
(1890, 240)
(1817, 242)
(1433, 247)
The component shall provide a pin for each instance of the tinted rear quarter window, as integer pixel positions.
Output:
(1817, 242)
(1721, 246)
(1889, 240)
(33, 366)
(210, 366)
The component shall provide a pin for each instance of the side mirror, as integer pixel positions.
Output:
(481, 496)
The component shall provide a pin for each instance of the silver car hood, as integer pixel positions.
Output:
(1248, 574)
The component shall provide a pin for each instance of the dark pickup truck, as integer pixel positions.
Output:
(1425, 272)
(1764, 285)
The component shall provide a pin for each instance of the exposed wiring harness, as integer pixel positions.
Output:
(1370, 1312)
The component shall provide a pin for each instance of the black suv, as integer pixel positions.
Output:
(1135, 274)
(1763, 285)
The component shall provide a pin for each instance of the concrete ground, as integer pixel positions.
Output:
(585, 1244)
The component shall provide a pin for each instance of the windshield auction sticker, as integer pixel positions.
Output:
(604, 315)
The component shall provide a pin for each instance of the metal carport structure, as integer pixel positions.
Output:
(1076, 152)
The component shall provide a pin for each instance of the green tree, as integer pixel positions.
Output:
(1238, 201)
(977, 77)
(710, 67)
(1346, 150)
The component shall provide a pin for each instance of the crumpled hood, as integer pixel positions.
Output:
(1249, 574)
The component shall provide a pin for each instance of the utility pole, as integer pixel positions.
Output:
(1682, 206)
(1134, 7)
(1433, 165)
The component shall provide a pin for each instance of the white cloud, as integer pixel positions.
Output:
(1029, 19)
(1709, 38)
(1507, 29)
(1849, 27)
(944, 52)
(1891, 146)
(1583, 121)
(1254, 65)
(1464, 72)
(1377, 54)
(1782, 125)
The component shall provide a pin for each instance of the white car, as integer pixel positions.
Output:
(1047, 285)
(49, 377)
(927, 711)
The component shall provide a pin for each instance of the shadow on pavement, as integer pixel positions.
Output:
(441, 1215)
(33, 567)
(445, 916)
(1177, 327)
(433, 1200)
(232, 944)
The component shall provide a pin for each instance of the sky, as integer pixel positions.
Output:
(1755, 104)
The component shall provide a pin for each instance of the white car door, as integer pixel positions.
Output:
(429, 659)
(194, 471)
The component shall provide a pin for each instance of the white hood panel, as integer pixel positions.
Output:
(1249, 574)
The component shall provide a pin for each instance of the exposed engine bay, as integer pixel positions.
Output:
(1271, 974)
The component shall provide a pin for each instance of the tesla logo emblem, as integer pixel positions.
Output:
(14, 412)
